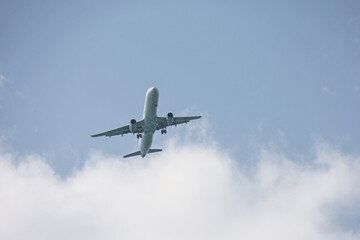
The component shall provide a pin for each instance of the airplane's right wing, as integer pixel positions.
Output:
(139, 128)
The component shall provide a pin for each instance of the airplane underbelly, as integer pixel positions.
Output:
(145, 142)
(150, 118)
(151, 101)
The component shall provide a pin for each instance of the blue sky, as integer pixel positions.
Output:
(254, 70)
(278, 75)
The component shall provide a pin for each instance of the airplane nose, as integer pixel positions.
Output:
(154, 89)
(143, 155)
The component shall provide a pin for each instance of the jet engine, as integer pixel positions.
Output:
(169, 118)
(132, 125)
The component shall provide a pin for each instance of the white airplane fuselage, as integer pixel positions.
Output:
(150, 120)
(149, 124)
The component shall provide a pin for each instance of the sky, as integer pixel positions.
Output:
(277, 83)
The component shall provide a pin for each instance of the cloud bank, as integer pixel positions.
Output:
(190, 191)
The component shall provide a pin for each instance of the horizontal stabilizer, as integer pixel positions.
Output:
(154, 150)
(139, 153)
(132, 154)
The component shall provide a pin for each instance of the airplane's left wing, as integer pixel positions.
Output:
(163, 122)
(139, 128)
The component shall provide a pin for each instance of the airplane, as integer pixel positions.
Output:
(146, 127)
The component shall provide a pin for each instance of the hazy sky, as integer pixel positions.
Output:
(283, 76)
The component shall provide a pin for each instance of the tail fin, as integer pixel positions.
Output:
(132, 154)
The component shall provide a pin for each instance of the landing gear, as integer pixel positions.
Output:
(138, 136)
(163, 131)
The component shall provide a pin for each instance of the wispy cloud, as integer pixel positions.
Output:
(327, 90)
(3, 80)
(19, 94)
(190, 191)
(260, 126)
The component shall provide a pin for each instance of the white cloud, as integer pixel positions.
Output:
(3, 80)
(327, 90)
(192, 191)
(20, 94)
(260, 126)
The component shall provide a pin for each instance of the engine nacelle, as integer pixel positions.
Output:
(169, 118)
(132, 125)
